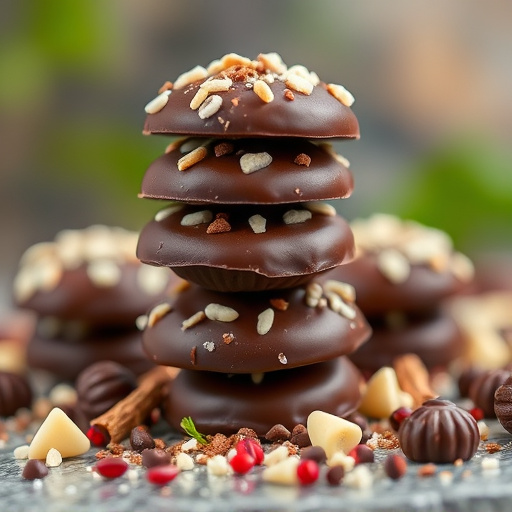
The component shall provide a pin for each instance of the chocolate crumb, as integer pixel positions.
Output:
(279, 304)
(278, 433)
(219, 225)
(224, 148)
(193, 355)
(228, 337)
(492, 447)
(288, 94)
(302, 159)
(247, 432)
(335, 475)
(300, 436)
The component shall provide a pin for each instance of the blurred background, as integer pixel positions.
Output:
(432, 81)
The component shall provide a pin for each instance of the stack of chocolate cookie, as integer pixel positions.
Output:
(403, 274)
(259, 341)
(87, 289)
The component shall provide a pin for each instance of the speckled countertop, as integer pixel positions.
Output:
(74, 487)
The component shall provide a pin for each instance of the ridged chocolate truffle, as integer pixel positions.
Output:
(15, 393)
(503, 404)
(439, 432)
(482, 389)
(102, 385)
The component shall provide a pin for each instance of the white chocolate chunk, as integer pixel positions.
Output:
(53, 458)
(275, 456)
(258, 223)
(218, 466)
(332, 433)
(59, 432)
(220, 313)
(21, 452)
(283, 472)
(184, 462)
(383, 394)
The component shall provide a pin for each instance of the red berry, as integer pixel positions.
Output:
(98, 435)
(362, 454)
(308, 471)
(242, 463)
(398, 416)
(251, 447)
(477, 413)
(160, 475)
(111, 467)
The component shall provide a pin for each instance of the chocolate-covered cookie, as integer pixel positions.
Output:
(253, 332)
(238, 97)
(225, 403)
(89, 275)
(436, 339)
(65, 359)
(402, 266)
(287, 171)
(244, 247)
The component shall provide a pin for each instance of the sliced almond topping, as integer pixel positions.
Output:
(158, 312)
(314, 292)
(217, 85)
(345, 290)
(394, 266)
(195, 218)
(296, 216)
(264, 92)
(167, 212)
(210, 106)
(221, 313)
(299, 84)
(341, 94)
(251, 162)
(200, 95)
(321, 207)
(158, 103)
(196, 73)
(272, 62)
(192, 158)
(258, 223)
(337, 304)
(265, 321)
(193, 320)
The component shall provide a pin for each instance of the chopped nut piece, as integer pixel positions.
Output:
(166, 212)
(233, 59)
(299, 84)
(337, 304)
(282, 358)
(228, 337)
(158, 312)
(21, 452)
(217, 85)
(193, 219)
(167, 86)
(296, 216)
(289, 95)
(210, 106)
(219, 225)
(192, 158)
(158, 103)
(427, 470)
(272, 62)
(280, 304)
(263, 91)
(251, 162)
(341, 94)
(198, 99)
(302, 159)
(393, 265)
(320, 207)
(258, 223)
(193, 320)
(220, 313)
(196, 73)
(265, 321)
(104, 273)
(224, 148)
(345, 290)
(314, 292)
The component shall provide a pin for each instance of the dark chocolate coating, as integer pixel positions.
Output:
(15, 393)
(483, 387)
(503, 404)
(102, 385)
(439, 432)
(66, 359)
(221, 180)
(76, 297)
(423, 289)
(303, 334)
(436, 340)
(318, 115)
(284, 253)
(222, 403)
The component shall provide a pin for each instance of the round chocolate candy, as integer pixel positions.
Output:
(237, 97)
(91, 275)
(245, 248)
(293, 170)
(483, 388)
(65, 359)
(225, 403)
(435, 338)
(439, 432)
(503, 404)
(253, 332)
(101, 385)
(15, 393)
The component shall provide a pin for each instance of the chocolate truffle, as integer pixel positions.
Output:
(439, 432)
(206, 330)
(297, 170)
(237, 97)
(503, 404)
(220, 248)
(225, 403)
(15, 393)
(101, 385)
(483, 387)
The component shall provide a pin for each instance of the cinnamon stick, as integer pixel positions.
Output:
(133, 410)
(413, 378)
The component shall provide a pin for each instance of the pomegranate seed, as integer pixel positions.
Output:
(398, 416)
(308, 471)
(161, 475)
(251, 447)
(111, 467)
(477, 413)
(362, 454)
(242, 463)
(98, 435)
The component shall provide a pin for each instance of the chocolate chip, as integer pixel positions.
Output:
(34, 469)
(316, 453)
(278, 433)
(141, 439)
(155, 457)
(300, 436)
(335, 475)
